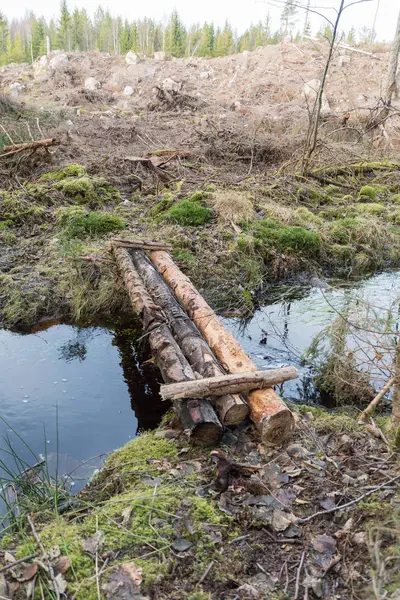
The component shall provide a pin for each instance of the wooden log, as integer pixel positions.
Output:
(138, 244)
(231, 409)
(198, 416)
(30, 145)
(227, 384)
(363, 418)
(270, 414)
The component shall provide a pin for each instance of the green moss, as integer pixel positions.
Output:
(304, 216)
(197, 196)
(347, 199)
(68, 171)
(163, 205)
(204, 512)
(75, 222)
(285, 237)
(363, 262)
(341, 252)
(372, 192)
(329, 421)
(245, 243)
(17, 208)
(188, 213)
(93, 191)
(342, 230)
(395, 199)
(184, 256)
(370, 209)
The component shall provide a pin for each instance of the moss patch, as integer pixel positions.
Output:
(189, 213)
(78, 223)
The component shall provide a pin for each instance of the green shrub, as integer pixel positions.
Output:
(342, 229)
(189, 213)
(77, 223)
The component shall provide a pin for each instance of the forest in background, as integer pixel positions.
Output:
(24, 39)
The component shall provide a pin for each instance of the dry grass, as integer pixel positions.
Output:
(233, 206)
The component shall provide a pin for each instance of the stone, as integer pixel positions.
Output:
(170, 85)
(161, 56)
(343, 60)
(204, 74)
(310, 90)
(92, 84)
(132, 58)
(59, 60)
(128, 90)
(15, 89)
(41, 69)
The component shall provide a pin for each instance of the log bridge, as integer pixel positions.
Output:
(207, 375)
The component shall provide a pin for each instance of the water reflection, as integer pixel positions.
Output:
(92, 378)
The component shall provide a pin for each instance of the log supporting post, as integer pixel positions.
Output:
(270, 414)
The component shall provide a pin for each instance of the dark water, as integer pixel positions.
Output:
(84, 386)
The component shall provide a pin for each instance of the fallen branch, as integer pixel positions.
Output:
(122, 243)
(355, 501)
(227, 384)
(296, 593)
(30, 145)
(374, 403)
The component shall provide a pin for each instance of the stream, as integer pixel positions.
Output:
(75, 394)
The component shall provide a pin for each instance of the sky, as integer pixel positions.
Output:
(240, 13)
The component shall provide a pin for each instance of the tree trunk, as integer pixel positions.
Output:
(267, 410)
(390, 84)
(30, 145)
(232, 410)
(198, 416)
(227, 384)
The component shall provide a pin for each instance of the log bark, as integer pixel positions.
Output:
(197, 415)
(227, 384)
(272, 417)
(231, 409)
(30, 145)
(138, 244)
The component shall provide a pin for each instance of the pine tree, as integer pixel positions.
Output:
(38, 36)
(3, 39)
(16, 50)
(351, 37)
(288, 18)
(135, 37)
(125, 38)
(207, 41)
(175, 36)
(65, 27)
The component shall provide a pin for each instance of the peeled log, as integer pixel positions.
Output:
(227, 384)
(196, 414)
(270, 414)
(231, 409)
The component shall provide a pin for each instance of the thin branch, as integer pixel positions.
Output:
(355, 501)
(17, 562)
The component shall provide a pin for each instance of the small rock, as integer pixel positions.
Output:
(15, 89)
(59, 60)
(297, 450)
(128, 90)
(204, 75)
(280, 520)
(181, 545)
(41, 69)
(169, 85)
(249, 591)
(343, 60)
(132, 58)
(310, 90)
(315, 583)
(359, 538)
(161, 56)
(91, 84)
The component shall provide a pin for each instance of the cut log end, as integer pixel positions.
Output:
(232, 410)
(198, 416)
(276, 428)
